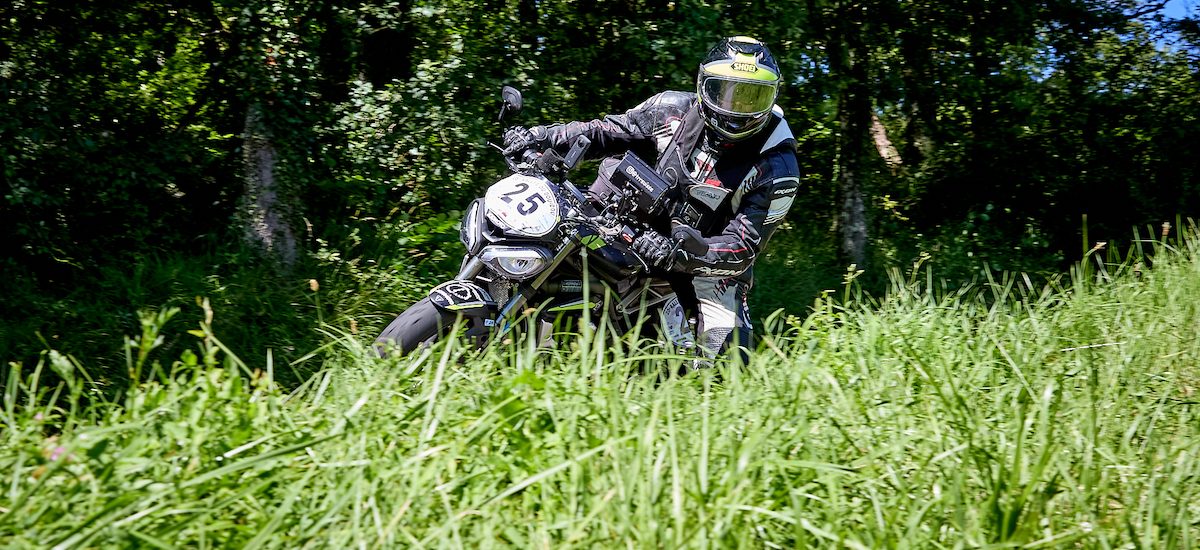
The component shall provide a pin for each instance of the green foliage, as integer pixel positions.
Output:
(122, 139)
(1003, 415)
(98, 149)
(798, 259)
(260, 307)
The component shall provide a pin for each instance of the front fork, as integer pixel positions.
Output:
(672, 318)
(473, 266)
(524, 292)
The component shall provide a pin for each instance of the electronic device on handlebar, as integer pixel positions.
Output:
(651, 191)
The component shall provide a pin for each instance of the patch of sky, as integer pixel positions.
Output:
(1178, 9)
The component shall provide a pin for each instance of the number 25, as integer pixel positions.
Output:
(531, 204)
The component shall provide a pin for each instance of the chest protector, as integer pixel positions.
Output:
(700, 203)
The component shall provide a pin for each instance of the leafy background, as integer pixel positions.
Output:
(979, 321)
(1023, 133)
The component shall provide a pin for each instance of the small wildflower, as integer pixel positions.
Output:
(56, 453)
(313, 285)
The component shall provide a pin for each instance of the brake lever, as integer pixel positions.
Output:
(511, 164)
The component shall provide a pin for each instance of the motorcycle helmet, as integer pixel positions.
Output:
(737, 85)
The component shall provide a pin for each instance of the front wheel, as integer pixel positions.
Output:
(420, 325)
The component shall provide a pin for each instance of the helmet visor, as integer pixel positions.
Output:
(737, 97)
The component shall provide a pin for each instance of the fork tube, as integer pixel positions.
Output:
(470, 269)
(525, 292)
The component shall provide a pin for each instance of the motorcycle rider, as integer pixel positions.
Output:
(731, 155)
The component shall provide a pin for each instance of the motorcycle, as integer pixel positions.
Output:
(538, 246)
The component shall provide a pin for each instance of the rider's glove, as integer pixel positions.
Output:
(656, 249)
(518, 138)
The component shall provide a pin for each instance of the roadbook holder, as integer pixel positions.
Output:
(649, 188)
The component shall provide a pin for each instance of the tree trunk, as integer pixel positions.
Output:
(852, 216)
(265, 212)
(848, 61)
(919, 78)
(884, 146)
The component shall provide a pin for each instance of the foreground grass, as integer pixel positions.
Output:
(1006, 417)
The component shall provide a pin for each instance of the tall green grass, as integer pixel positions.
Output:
(1001, 416)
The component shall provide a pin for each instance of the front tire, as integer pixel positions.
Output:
(420, 325)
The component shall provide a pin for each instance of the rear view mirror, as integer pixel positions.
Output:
(512, 101)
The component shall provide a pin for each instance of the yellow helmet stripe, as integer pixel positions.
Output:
(743, 67)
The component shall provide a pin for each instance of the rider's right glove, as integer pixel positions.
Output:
(656, 248)
(519, 138)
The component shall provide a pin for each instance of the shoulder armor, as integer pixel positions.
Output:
(678, 100)
(781, 134)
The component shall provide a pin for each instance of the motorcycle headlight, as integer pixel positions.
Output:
(470, 231)
(516, 262)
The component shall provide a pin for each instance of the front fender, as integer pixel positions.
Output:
(463, 297)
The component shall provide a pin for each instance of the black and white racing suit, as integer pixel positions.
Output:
(736, 195)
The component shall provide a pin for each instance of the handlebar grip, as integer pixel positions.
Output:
(549, 161)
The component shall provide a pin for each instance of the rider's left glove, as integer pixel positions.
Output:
(518, 138)
(656, 249)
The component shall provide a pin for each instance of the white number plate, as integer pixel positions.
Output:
(524, 205)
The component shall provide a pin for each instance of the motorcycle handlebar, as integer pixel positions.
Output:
(529, 156)
(549, 161)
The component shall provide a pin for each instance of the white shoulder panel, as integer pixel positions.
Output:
(782, 131)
